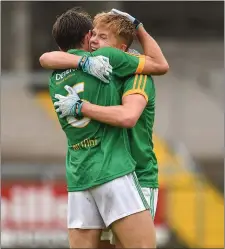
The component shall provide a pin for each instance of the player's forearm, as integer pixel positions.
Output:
(59, 60)
(155, 63)
(112, 115)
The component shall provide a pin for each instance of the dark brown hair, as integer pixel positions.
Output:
(71, 27)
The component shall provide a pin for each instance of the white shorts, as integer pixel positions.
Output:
(98, 207)
(151, 196)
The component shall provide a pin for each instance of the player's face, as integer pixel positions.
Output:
(102, 37)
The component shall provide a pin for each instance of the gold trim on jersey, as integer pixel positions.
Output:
(138, 86)
(141, 64)
(139, 82)
(144, 84)
(135, 81)
(136, 91)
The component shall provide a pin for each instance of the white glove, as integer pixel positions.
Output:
(97, 66)
(133, 51)
(68, 105)
(135, 21)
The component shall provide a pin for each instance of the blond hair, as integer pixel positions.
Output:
(119, 25)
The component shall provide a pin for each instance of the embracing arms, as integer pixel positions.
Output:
(153, 62)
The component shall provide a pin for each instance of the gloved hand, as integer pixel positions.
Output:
(97, 66)
(135, 21)
(69, 105)
(133, 51)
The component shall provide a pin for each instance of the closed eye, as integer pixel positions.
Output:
(104, 37)
(93, 33)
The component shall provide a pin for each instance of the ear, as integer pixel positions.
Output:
(86, 41)
(123, 47)
(88, 35)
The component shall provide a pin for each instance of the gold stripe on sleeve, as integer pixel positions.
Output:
(145, 80)
(141, 64)
(135, 81)
(140, 81)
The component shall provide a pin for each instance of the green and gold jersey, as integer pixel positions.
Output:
(140, 136)
(97, 153)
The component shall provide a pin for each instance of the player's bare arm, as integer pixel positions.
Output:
(150, 47)
(125, 115)
(154, 55)
(137, 91)
(49, 60)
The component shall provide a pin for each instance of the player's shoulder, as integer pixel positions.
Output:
(111, 49)
(78, 52)
(107, 51)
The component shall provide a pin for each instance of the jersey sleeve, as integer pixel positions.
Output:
(124, 64)
(139, 84)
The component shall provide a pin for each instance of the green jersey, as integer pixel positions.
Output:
(97, 153)
(141, 135)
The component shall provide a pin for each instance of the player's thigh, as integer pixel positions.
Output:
(119, 198)
(151, 196)
(135, 231)
(84, 238)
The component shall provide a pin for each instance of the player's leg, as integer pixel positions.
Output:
(84, 220)
(123, 206)
(135, 231)
(151, 196)
(84, 238)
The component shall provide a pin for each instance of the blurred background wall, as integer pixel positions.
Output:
(189, 114)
